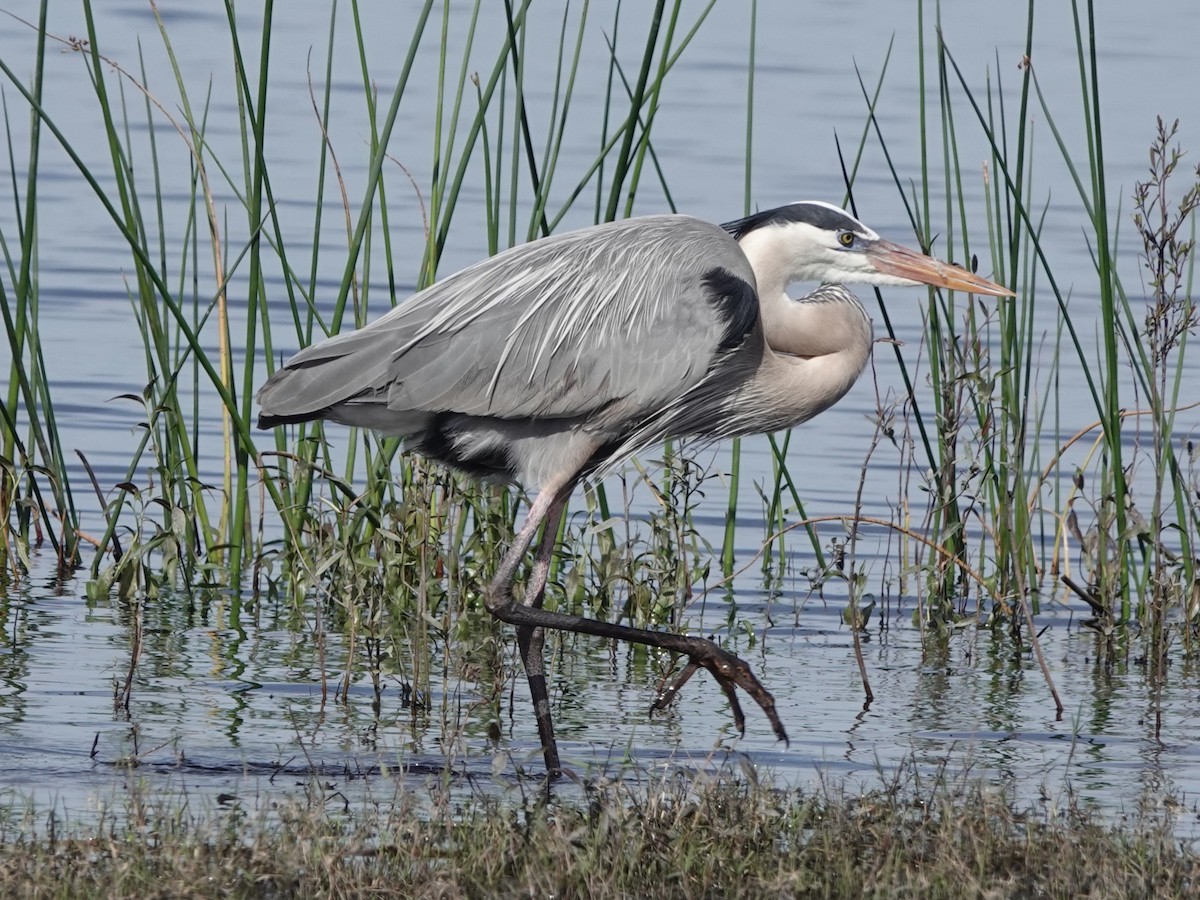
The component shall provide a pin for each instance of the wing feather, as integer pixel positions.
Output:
(608, 323)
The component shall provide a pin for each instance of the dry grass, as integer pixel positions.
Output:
(677, 838)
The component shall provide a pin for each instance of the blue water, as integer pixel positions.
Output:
(218, 708)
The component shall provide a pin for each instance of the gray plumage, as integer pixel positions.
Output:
(561, 357)
(572, 339)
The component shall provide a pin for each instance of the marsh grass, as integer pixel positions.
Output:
(205, 531)
(389, 549)
(698, 836)
(992, 381)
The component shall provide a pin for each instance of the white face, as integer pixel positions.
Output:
(834, 247)
(816, 241)
(833, 256)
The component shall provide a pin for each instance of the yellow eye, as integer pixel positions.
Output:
(846, 238)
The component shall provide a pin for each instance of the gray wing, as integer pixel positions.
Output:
(608, 323)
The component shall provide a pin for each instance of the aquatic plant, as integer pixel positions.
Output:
(993, 504)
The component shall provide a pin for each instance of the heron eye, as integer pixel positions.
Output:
(846, 238)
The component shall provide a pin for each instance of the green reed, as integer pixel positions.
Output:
(354, 502)
(297, 477)
(994, 387)
(30, 510)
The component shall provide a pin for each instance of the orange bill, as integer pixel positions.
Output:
(893, 259)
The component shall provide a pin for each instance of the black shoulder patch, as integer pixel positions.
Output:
(816, 214)
(736, 301)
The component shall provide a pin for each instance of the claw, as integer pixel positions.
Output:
(667, 694)
(739, 717)
(730, 672)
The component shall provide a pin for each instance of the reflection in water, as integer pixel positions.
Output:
(218, 710)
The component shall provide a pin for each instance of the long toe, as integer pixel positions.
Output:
(731, 672)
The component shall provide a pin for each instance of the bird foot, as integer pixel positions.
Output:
(730, 672)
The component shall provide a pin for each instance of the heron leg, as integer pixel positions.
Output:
(531, 641)
(547, 507)
(729, 671)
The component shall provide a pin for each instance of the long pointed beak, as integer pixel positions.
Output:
(893, 259)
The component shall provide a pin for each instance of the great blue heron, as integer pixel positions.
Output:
(560, 358)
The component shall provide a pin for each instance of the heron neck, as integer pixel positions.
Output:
(816, 349)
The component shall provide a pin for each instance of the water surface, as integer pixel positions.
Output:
(222, 709)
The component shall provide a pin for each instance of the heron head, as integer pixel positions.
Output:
(816, 241)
